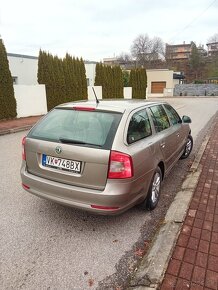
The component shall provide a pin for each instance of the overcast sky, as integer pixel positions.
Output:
(96, 29)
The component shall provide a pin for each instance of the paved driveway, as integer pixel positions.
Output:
(47, 246)
(199, 109)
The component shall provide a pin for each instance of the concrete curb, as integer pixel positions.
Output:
(153, 266)
(15, 130)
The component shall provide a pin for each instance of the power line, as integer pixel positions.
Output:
(189, 24)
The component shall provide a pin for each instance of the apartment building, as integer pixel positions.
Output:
(178, 51)
(212, 48)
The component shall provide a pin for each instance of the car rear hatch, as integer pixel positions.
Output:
(72, 146)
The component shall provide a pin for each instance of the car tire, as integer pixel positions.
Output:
(153, 195)
(188, 147)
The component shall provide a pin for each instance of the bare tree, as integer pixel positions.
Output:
(213, 38)
(147, 50)
(125, 57)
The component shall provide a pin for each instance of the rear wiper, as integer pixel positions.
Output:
(71, 141)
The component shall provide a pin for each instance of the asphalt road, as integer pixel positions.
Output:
(47, 246)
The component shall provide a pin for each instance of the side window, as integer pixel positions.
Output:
(160, 118)
(172, 114)
(139, 127)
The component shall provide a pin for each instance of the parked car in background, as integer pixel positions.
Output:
(104, 157)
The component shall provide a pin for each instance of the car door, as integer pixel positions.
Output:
(140, 146)
(176, 123)
(166, 135)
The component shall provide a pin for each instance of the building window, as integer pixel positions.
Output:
(14, 80)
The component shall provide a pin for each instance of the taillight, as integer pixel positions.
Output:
(120, 165)
(83, 108)
(23, 148)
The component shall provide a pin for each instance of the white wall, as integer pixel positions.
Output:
(90, 73)
(98, 91)
(31, 100)
(127, 92)
(25, 69)
(168, 93)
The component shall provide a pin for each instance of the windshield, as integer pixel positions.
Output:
(83, 128)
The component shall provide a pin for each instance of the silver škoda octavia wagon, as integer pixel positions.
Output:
(104, 157)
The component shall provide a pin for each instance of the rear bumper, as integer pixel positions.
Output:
(118, 195)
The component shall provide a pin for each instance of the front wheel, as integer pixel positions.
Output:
(154, 190)
(188, 147)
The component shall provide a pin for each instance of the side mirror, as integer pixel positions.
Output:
(186, 119)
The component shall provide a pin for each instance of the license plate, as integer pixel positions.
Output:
(61, 163)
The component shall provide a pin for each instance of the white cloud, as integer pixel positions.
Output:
(97, 29)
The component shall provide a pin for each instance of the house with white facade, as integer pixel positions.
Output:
(29, 95)
(161, 82)
(24, 69)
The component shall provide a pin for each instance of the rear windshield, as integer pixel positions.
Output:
(82, 128)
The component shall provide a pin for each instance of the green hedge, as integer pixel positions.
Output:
(111, 80)
(64, 79)
(7, 99)
(138, 82)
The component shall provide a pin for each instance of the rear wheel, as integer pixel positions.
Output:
(154, 190)
(188, 147)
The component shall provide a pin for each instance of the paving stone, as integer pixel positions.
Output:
(178, 253)
(198, 223)
(173, 267)
(214, 249)
(215, 227)
(213, 263)
(204, 246)
(186, 271)
(207, 225)
(211, 280)
(182, 284)
(169, 282)
(206, 235)
(186, 230)
(200, 214)
(183, 240)
(196, 287)
(190, 256)
(214, 238)
(198, 275)
(193, 243)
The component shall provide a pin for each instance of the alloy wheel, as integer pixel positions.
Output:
(155, 187)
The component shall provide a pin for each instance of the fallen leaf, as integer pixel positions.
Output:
(146, 243)
(91, 282)
(115, 241)
(139, 252)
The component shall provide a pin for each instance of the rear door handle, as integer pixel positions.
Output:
(162, 145)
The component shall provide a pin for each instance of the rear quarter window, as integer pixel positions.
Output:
(139, 127)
